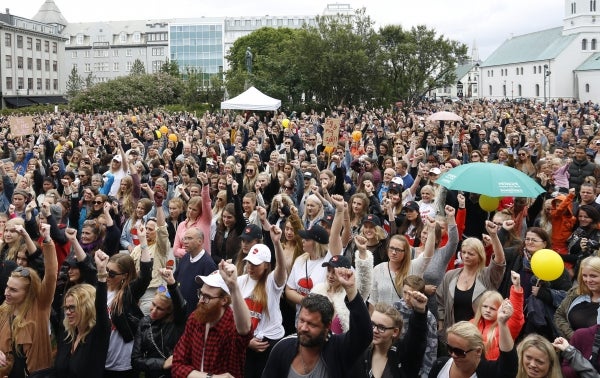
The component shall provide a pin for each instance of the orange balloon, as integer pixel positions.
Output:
(173, 137)
(356, 136)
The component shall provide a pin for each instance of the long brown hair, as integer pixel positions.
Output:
(126, 265)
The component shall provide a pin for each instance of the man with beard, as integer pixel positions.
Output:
(314, 351)
(217, 332)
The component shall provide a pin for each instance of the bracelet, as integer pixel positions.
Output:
(102, 275)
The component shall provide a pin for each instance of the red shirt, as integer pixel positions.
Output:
(224, 349)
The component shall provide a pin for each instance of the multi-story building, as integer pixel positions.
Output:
(31, 52)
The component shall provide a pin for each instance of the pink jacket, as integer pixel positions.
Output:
(202, 222)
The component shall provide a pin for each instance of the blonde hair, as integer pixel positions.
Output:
(543, 345)
(592, 262)
(84, 296)
(497, 299)
(467, 331)
(477, 246)
(18, 245)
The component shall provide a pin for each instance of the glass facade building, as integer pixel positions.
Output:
(199, 46)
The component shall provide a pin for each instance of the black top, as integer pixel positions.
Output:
(583, 315)
(504, 367)
(90, 356)
(463, 304)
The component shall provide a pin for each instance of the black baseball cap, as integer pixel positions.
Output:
(327, 219)
(251, 232)
(338, 261)
(412, 205)
(316, 233)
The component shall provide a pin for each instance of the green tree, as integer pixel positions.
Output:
(170, 67)
(137, 68)
(89, 80)
(417, 61)
(342, 56)
(193, 87)
(74, 83)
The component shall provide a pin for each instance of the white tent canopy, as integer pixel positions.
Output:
(252, 99)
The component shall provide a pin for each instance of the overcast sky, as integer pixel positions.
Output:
(486, 23)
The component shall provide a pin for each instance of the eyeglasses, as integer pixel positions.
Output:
(397, 144)
(249, 170)
(457, 352)
(532, 240)
(22, 271)
(312, 140)
(522, 154)
(288, 187)
(205, 298)
(82, 175)
(113, 274)
(98, 202)
(71, 308)
(396, 250)
(380, 327)
(163, 290)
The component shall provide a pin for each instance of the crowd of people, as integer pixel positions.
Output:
(248, 245)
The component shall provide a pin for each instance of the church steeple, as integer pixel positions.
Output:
(50, 14)
(581, 16)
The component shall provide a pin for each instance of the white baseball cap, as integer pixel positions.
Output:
(258, 254)
(214, 279)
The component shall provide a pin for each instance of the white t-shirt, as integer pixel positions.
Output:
(269, 325)
(306, 273)
(118, 175)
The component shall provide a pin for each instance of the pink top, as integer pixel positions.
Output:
(202, 222)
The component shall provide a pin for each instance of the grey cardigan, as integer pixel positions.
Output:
(488, 278)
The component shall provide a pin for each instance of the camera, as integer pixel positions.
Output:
(592, 245)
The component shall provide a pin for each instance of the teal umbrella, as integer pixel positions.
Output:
(493, 180)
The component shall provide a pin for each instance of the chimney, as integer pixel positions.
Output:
(7, 11)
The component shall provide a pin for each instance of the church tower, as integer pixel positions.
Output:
(581, 16)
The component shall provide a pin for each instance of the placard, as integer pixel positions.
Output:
(21, 126)
(331, 132)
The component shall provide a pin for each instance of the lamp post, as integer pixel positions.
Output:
(546, 74)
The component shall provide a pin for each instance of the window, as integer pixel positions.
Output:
(517, 70)
(115, 66)
(47, 84)
(47, 65)
(593, 44)
(29, 43)
(73, 54)
(30, 83)
(519, 90)
(79, 40)
(158, 51)
(38, 64)
(490, 88)
(38, 45)
(129, 65)
(54, 47)
(55, 84)
(88, 67)
(39, 84)
(592, 5)
(20, 62)
(20, 83)
(584, 44)
(115, 53)
(539, 69)
(573, 7)
(587, 88)
(30, 63)
(55, 66)
(122, 38)
(19, 41)
(534, 69)
(46, 46)
(142, 52)
(137, 36)
(504, 90)
(537, 90)
(9, 84)
(8, 61)
(8, 40)
(86, 54)
(128, 52)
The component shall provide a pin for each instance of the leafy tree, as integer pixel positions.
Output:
(417, 61)
(74, 83)
(170, 67)
(137, 68)
(193, 86)
(127, 92)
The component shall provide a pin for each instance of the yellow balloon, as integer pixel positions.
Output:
(173, 137)
(328, 149)
(488, 203)
(134, 119)
(158, 134)
(356, 136)
(547, 265)
(164, 129)
(285, 123)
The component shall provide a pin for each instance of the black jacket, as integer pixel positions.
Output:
(127, 321)
(155, 340)
(404, 357)
(504, 367)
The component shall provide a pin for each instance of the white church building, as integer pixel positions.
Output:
(562, 62)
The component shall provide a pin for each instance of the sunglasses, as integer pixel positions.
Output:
(457, 352)
(98, 202)
(162, 289)
(71, 308)
(113, 274)
(288, 187)
(249, 170)
(23, 272)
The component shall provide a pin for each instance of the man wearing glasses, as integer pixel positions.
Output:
(217, 332)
